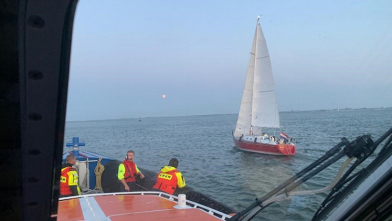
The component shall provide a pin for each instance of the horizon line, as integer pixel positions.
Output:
(290, 111)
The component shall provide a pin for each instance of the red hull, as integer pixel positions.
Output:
(277, 149)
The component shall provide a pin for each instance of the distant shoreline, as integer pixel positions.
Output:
(290, 111)
(340, 109)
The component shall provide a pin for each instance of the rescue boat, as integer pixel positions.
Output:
(101, 200)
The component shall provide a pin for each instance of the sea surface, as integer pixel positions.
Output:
(211, 164)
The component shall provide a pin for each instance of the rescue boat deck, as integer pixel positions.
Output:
(133, 206)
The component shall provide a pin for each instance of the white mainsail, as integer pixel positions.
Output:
(258, 106)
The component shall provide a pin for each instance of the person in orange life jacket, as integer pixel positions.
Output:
(169, 179)
(69, 178)
(127, 171)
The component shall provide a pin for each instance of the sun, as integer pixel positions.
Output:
(164, 96)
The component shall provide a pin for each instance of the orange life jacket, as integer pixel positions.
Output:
(167, 182)
(64, 187)
(130, 171)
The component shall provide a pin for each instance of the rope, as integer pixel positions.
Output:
(98, 175)
(288, 195)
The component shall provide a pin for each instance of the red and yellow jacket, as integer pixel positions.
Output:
(69, 181)
(127, 170)
(169, 179)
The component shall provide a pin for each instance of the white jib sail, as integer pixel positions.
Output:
(245, 115)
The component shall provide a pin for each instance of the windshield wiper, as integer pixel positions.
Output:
(361, 148)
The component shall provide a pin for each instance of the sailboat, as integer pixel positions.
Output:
(259, 108)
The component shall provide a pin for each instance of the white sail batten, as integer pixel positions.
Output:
(264, 105)
(259, 107)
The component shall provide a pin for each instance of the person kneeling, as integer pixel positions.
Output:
(169, 179)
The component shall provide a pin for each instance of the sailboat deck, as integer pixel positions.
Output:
(131, 207)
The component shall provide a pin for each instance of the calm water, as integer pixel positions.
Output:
(211, 164)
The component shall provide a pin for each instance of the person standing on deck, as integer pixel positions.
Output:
(127, 172)
(169, 179)
(69, 178)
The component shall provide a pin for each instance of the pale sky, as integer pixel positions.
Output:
(325, 55)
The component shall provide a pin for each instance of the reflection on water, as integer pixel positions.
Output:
(267, 171)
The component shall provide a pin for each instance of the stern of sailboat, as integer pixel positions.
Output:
(287, 149)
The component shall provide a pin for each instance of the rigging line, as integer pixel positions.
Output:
(266, 91)
(142, 187)
(253, 213)
(348, 179)
(314, 172)
(323, 210)
(386, 145)
(327, 201)
(315, 164)
(383, 137)
(288, 195)
(337, 178)
(263, 57)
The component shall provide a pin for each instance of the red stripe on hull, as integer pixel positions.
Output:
(277, 149)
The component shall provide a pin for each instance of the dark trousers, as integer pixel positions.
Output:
(132, 187)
